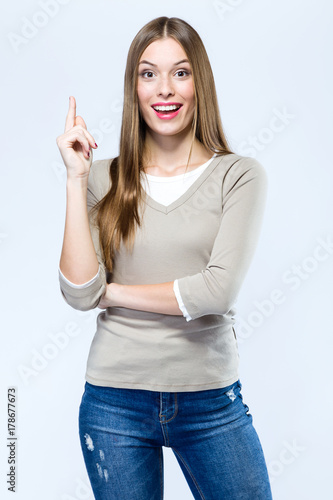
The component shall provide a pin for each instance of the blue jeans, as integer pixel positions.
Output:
(122, 432)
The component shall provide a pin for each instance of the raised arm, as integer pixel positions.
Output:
(79, 262)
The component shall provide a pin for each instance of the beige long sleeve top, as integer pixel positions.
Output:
(205, 240)
(165, 190)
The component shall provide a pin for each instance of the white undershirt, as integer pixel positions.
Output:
(164, 190)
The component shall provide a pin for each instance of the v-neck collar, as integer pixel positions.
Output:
(188, 193)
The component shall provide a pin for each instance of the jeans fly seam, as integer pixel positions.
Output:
(165, 434)
(174, 415)
(176, 410)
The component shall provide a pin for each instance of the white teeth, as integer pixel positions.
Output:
(166, 108)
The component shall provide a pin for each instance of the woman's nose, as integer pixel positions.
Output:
(165, 87)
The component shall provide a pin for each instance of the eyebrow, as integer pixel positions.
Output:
(155, 65)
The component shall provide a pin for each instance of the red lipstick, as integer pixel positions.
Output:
(164, 114)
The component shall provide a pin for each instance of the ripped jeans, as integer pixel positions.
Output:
(122, 432)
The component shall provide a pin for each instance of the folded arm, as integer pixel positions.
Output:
(214, 289)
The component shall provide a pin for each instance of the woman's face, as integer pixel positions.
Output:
(164, 80)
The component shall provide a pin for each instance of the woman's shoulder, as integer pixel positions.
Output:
(238, 171)
(233, 158)
(235, 165)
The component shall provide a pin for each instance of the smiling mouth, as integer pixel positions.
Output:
(167, 109)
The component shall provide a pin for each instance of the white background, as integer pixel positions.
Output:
(269, 59)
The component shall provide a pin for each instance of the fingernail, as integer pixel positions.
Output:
(96, 145)
(89, 154)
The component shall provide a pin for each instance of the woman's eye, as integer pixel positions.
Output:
(184, 73)
(147, 74)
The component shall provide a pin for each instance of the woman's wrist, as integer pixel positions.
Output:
(110, 297)
(74, 183)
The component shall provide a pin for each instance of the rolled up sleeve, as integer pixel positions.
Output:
(214, 289)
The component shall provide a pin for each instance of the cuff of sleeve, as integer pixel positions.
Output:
(185, 285)
(180, 301)
(83, 285)
(85, 298)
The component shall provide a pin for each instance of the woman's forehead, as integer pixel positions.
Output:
(164, 50)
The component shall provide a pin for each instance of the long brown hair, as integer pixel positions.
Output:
(118, 212)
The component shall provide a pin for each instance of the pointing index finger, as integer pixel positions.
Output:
(70, 119)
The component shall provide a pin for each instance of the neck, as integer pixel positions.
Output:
(169, 154)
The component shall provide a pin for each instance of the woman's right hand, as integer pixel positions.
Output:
(76, 143)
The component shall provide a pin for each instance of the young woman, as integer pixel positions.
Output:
(161, 238)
